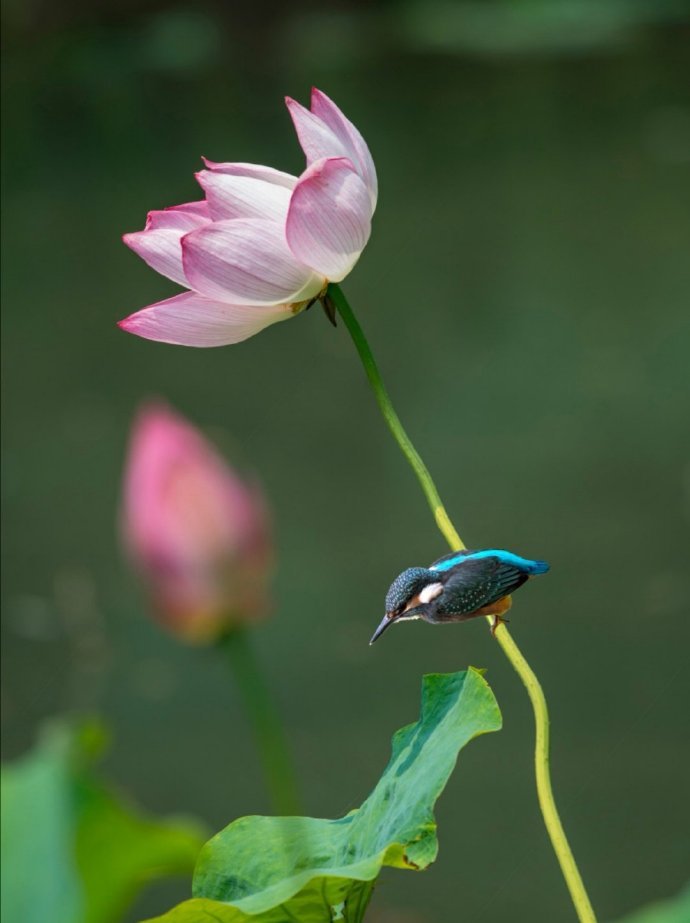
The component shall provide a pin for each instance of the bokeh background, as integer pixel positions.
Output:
(526, 291)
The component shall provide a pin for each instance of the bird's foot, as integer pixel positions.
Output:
(498, 620)
(497, 609)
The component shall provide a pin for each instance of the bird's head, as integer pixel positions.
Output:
(408, 596)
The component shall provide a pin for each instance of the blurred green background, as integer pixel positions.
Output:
(526, 292)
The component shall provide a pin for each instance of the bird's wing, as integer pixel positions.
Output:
(476, 583)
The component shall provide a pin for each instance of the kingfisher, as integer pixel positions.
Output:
(459, 586)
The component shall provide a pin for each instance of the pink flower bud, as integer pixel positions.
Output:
(198, 535)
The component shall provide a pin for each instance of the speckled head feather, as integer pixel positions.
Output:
(405, 586)
(403, 596)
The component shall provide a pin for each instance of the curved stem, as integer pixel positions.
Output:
(266, 724)
(547, 803)
(390, 416)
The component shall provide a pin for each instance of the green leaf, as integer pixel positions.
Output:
(72, 851)
(119, 851)
(40, 878)
(676, 910)
(273, 870)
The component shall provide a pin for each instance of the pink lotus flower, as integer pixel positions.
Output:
(263, 244)
(198, 534)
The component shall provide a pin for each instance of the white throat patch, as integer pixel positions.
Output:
(431, 591)
(407, 618)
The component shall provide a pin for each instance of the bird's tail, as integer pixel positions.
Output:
(538, 567)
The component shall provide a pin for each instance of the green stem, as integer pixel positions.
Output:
(547, 803)
(266, 724)
(392, 420)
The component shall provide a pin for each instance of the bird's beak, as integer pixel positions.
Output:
(387, 620)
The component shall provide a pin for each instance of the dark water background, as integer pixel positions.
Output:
(526, 291)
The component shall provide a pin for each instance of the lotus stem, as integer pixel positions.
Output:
(266, 724)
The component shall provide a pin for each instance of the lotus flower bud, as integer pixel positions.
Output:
(196, 532)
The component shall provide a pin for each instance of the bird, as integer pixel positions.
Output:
(459, 586)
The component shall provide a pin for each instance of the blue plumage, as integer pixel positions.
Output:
(459, 586)
(506, 557)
